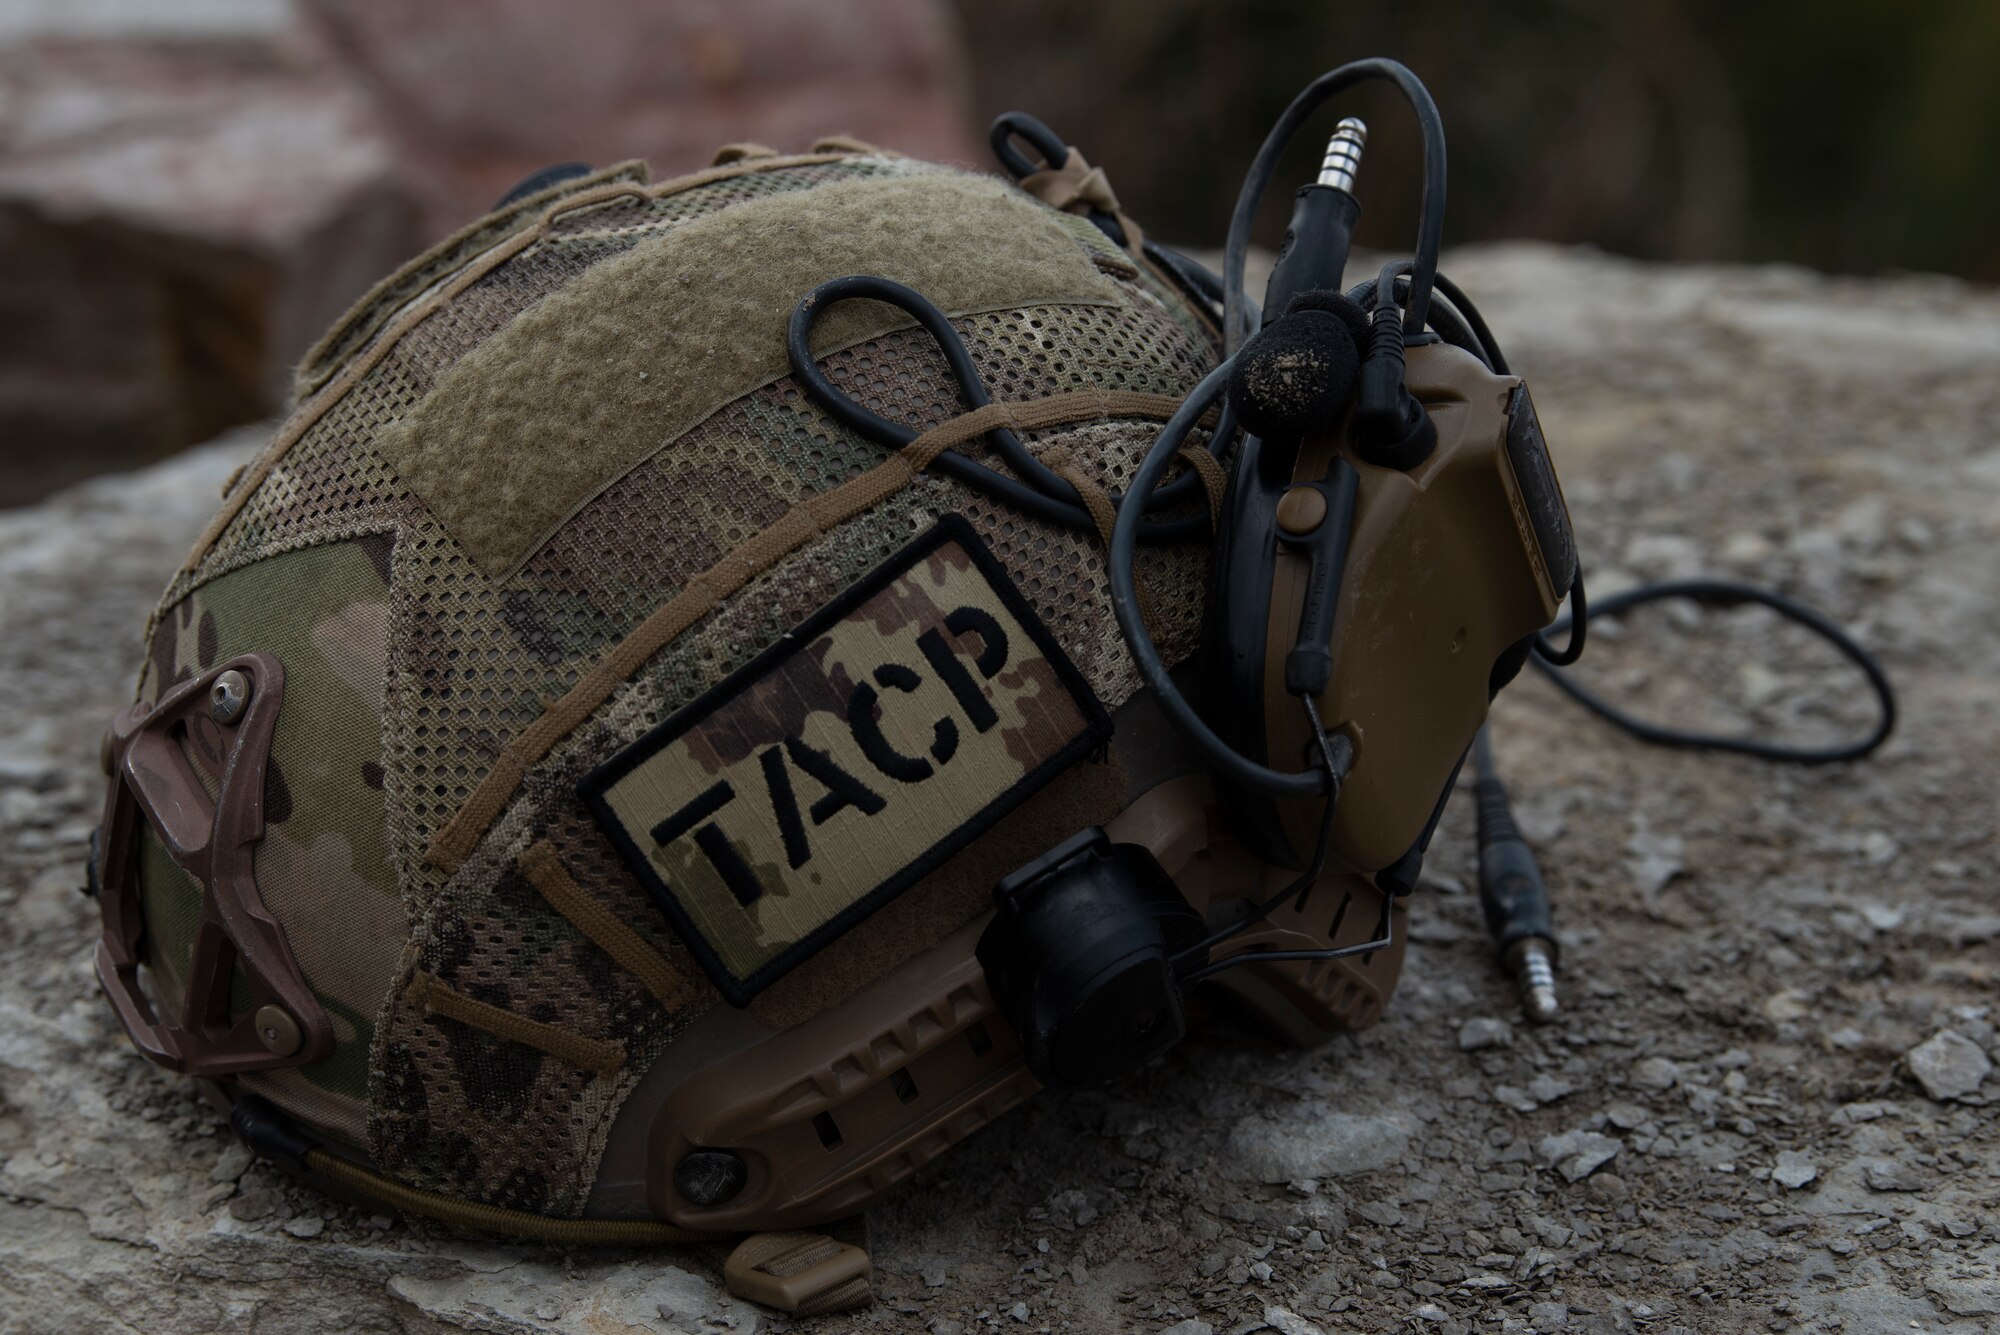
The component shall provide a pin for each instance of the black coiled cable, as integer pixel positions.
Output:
(1036, 489)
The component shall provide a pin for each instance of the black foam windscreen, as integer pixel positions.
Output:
(1296, 375)
(1337, 304)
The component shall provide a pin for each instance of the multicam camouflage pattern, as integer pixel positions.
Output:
(408, 668)
(323, 864)
(822, 779)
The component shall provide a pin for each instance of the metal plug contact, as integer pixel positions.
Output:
(1343, 154)
(1533, 966)
(1512, 893)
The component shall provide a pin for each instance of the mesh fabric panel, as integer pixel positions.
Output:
(473, 660)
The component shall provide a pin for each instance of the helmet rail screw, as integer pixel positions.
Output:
(228, 697)
(278, 1031)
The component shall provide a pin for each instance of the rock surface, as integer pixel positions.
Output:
(188, 195)
(531, 84)
(1725, 1027)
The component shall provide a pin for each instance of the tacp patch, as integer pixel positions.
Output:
(846, 761)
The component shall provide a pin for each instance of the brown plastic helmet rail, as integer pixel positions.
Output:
(826, 1117)
(225, 727)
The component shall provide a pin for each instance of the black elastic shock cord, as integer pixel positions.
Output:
(1038, 490)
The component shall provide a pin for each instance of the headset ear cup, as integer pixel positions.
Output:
(1296, 375)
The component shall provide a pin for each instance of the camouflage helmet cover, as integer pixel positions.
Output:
(534, 544)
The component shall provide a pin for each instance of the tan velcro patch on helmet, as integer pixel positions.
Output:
(618, 365)
(848, 760)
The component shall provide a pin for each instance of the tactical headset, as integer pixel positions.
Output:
(1390, 548)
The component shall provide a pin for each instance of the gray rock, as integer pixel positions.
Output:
(1793, 1170)
(236, 1157)
(1316, 1142)
(1948, 1065)
(1578, 1154)
(1548, 1316)
(1381, 1213)
(1287, 1322)
(1665, 556)
(1546, 1088)
(102, 1159)
(1891, 1175)
(1191, 1326)
(1653, 859)
(1655, 1073)
(1627, 1116)
(1071, 1209)
(1485, 1032)
(1965, 1295)
(251, 1206)
(539, 1295)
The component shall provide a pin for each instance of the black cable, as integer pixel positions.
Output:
(1547, 658)
(1230, 765)
(1430, 225)
(1489, 347)
(1197, 282)
(1728, 593)
(1546, 654)
(1335, 768)
(1055, 154)
(1011, 125)
(1462, 329)
(1038, 491)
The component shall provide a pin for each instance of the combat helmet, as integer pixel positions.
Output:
(682, 724)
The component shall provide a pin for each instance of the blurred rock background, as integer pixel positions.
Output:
(191, 189)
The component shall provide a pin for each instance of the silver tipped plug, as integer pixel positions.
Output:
(1534, 968)
(1343, 155)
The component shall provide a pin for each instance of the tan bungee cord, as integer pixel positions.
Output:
(724, 687)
